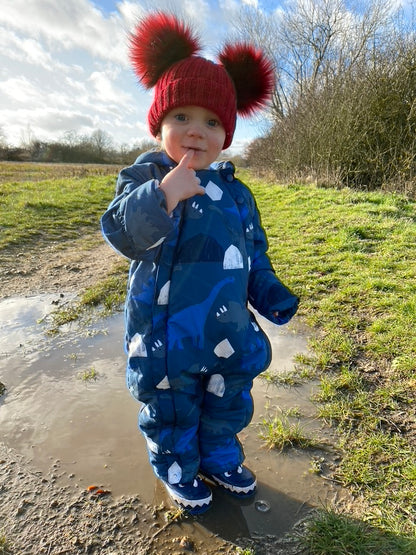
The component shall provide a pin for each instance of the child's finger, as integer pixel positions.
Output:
(187, 159)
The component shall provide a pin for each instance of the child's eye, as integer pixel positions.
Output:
(180, 117)
(213, 123)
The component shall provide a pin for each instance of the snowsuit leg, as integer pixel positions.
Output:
(227, 409)
(169, 420)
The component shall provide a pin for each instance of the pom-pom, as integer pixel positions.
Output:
(252, 73)
(159, 41)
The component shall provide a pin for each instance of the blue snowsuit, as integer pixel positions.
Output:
(193, 345)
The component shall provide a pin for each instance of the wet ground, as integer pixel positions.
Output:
(55, 417)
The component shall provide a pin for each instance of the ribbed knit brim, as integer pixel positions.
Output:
(198, 82)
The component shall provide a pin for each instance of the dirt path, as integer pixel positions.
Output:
(55, 268)
(48, 512)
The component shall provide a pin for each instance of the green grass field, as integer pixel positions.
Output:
(41, 203)
(351, 258)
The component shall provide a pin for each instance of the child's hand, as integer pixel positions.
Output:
(181, 183)
(283, 316)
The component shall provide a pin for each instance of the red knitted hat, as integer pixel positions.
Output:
(163, 52)
(198, 82)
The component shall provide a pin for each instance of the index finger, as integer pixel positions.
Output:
(187, 158)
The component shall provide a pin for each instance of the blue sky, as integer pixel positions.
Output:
(64, 65)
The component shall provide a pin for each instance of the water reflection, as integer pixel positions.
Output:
(51, 414)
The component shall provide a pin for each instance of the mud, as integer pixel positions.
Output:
(62, 433)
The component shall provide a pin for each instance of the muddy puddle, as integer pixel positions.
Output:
(86, 429)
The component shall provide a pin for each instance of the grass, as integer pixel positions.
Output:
(107, 296)
(43, 205)
(51, 210)
(17, 172)
(280, 431)
(5, 548)
(90, 375)
(289, 378)
(331, 534)
(350, 257)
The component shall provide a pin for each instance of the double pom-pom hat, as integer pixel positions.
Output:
(163, 55)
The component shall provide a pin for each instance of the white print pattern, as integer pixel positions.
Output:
(222, 310)
(174, 473)
(195, 206)
(164, 294)
(137, 348)
(152, 445)
(255, 326)
(213, 191)
(156, 244)
(224, 349)
(163, 384)
(233, 258)
(216, 385)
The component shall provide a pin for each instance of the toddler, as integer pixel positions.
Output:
(198, 256)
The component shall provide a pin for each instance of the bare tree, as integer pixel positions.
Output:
(101, 142)
(311, 41)
(345, 97)
(71, 138)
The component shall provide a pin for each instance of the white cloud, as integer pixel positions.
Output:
(229, 6)
(104, 88)
(64, 66)
(67, 25)
(26, 50)
(70, 58)
(129, 12)
(19, 90)
(44, 123)
(55, 120)
(197, 10)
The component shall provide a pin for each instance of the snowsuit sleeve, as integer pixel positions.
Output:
(266, 293)
(136, 221)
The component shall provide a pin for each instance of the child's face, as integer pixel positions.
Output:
(192, 128)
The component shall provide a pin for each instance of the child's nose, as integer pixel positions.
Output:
(196, 129)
